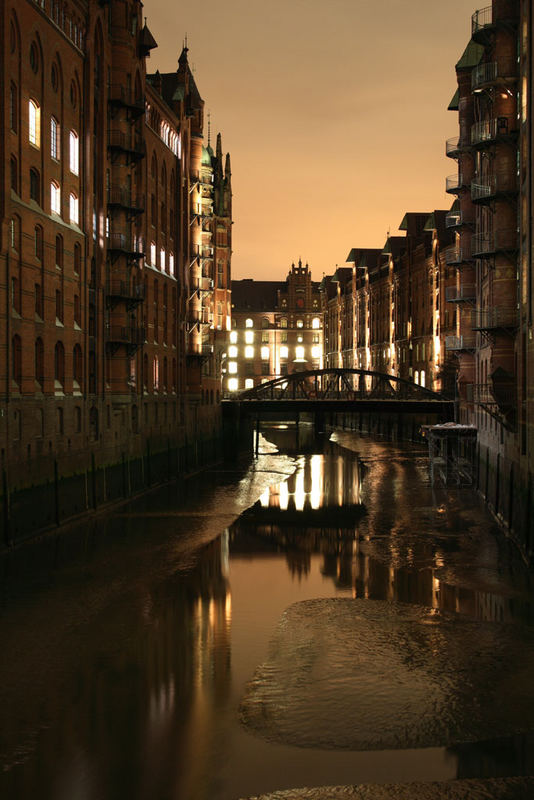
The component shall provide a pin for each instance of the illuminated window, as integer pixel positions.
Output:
(162, 258)
(316, 351)
(34, 123)
(156, 373)
(249, 337)
(153, 253)
(232, 351)
(249, 383)
(283, 322)
(233, 337)
(265, 353)
(316, 322)
(74, 153)
(249, 352)
(55, 198)
(249, 323)
(54, 139)
(416, 376)
(300, 323)
(299, 352)
(284, 351)
(265, 337)
(232, 367)
(233, 384)
(73, 208)
(422, 379)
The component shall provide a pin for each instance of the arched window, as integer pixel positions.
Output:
(59, 364)
(145, 372)
(249, 323)
(283, 322)
(55, 198)
(77, 258)
(165, 374)
(316, 322)
(55, 149)
(34, 130)
(174, 375)
(73, 208)
(14, 174)
(35, 185)
(59, 252)
(16, 357)
(264, 323)
(74, 153)
(39, 361)
(38, 241)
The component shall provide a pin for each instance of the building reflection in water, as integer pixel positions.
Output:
(385, 548)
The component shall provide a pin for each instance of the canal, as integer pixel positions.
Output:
(322, 616)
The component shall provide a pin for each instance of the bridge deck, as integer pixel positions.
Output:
(443, 408)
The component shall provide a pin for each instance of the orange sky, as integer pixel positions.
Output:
(334, 112)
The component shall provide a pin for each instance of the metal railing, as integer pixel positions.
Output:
(125, 334)
(466, 342)
(481, 19)
(119, 196)
(119, 140)
(455, 294)
(493, 72)
(456, 218)
(488, 319)
(489, 130)
(134, 291)
(497, 241)
(453, 183)
(489, 186)
(120, 241)
(117, 93)
(457, 255)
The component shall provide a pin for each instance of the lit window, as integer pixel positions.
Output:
(171, 263)
(162, 258)
(299, 352)
(283, 322)
(284, 351)
(54, 138)
(74, 149)
(233, 337)
(55, 198)
(264, 353)
(232, 367)
(249, 352)
(249, 383)
(232, 351)
(233, 384)
(300, 323)
(422, 379)
(316, 351)
(249, 337)
(73, 208)
(316, 322)
(153, 253)
(249, 323)
(34, 123)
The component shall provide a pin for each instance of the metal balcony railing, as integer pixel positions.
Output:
(487, 187)
(125, 244)
(200, 315)
(457, 255)
(126, 290)
(119, 196)
(496, 318)
(460, 343)
(481, 21)
(127, 143)
(500, 241)
(493, 73)
(131, 335)
(454, 183)
(122, 95)
(456, 219)
(460, 294)
(491, 130)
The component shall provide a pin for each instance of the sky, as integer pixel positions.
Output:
(334, 113)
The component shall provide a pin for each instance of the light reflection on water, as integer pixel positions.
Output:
(131, 640)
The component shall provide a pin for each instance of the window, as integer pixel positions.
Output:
(39, 300)
(55, 198)
(249, 383)
(283, 322)
(265, 353)
(38, 242)
(249, 352)
(77, 365)
(171, 263)
(233, 384)
(35, 185)
(283, 336)
(77, 258)
(16, 347)
(265, 337)
(34, 133)
(233, 336)
(39, 361)
(162, 258)
(34, 57)
(59, 364)
(249, 323)
(284, 351)
(153, 253)
(316, 322)
(299, 352)
(59, 305)
(14, 174)
(54, 139)
(77, 310)
(249, 337)
(300, 323)
(316, 351)
(232, 367)
(73, 208)
(13, 108)
(232, 351)
(74, 153)
(156, 373)
(15, 295)
(59, 252)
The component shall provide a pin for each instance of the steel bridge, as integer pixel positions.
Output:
(342, 390)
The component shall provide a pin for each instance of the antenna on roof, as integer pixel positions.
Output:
(185, 43)
(209, 128)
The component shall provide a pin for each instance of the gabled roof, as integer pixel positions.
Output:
(394, 246)
(453, 105)
(471, 56)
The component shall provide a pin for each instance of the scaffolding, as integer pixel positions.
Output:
(451, 451)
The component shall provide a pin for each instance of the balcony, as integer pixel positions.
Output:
(484, 21)
(119, 197)
(484, 245)
(202, 351)
(461, 294)
(493, 130)
(131, 336)
(488, 187)
(121, 244)
(491, 319)
(460, 343)
(454, 183)
(119, 95)
(455, 219)
(455, 256)
(494, 73)
(454, 147)
(128, 291)
(202, 284)
(200, 316)
(485, 394)
(131, 145)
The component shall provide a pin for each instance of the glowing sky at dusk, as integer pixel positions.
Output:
(335, 115)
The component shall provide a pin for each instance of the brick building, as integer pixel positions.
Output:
(277, 329)
(115, 243)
